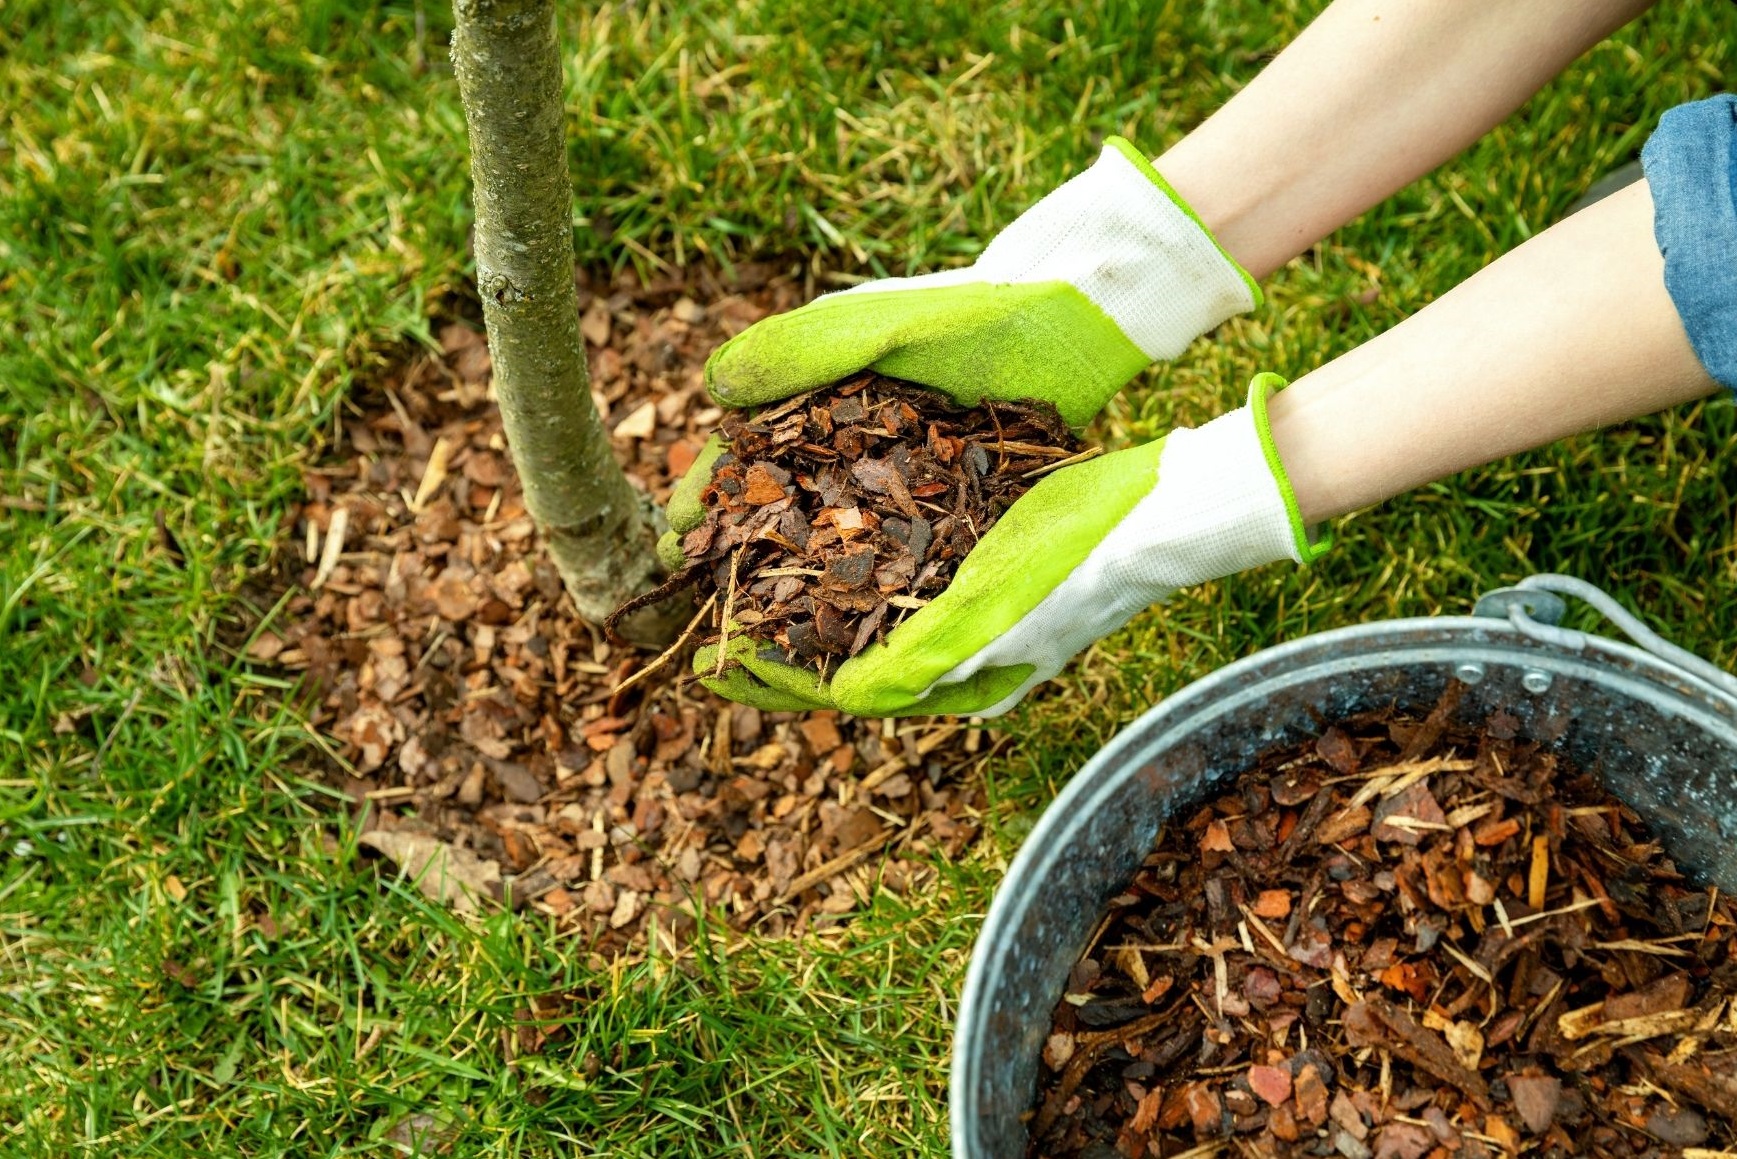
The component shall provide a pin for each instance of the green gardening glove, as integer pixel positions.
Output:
(1071, 561)
(1107, 274)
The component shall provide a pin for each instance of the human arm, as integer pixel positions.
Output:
(1572, 331)
(1369, 97)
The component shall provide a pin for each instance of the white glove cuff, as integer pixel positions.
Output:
(1121, 236)
(1218, 508)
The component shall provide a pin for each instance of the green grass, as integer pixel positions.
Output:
(216, 216)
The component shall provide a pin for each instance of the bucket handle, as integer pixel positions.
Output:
(1535, 608)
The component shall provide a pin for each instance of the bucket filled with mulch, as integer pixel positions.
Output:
(1426, 888)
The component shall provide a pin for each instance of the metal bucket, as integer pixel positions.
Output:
(1657, 722)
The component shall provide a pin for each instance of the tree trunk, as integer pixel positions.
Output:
(599, 530)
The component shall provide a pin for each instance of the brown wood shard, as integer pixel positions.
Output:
(1378, 1022)
(1697, 1082)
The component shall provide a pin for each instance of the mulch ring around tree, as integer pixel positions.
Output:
(1406, 940)
(478, 715)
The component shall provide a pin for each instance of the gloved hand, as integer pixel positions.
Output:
(1068, 563)
(1108, 273)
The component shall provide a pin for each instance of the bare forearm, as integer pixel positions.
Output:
(1570, 332)
(1371, 96)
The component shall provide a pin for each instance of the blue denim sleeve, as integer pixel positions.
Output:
(1691, 168)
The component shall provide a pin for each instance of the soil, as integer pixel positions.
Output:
(1403, 940)
(836, 514)
(473, 715)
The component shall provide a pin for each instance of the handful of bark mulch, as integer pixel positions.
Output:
(1403, 940)
(833, 515)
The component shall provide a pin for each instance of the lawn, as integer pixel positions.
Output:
(217, 217)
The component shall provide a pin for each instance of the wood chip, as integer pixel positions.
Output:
(1538, 879)
(334, 548)
(641, 424)
(1536, 1098)
(433, 475)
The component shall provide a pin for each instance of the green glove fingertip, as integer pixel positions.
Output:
(873, 698)
(684, 511)
(762, 661)
(669, 551)
(750, 676)
(741, 686)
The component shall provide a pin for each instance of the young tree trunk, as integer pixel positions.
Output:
(599, 530)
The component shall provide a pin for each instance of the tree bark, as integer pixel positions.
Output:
(600, 532)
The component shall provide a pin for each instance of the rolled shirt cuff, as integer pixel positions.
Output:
(1691, 169)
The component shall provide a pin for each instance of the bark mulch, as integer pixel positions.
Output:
(836, 514)
(478, 715)
(1403, 940)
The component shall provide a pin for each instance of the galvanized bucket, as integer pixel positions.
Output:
(1658, 723)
